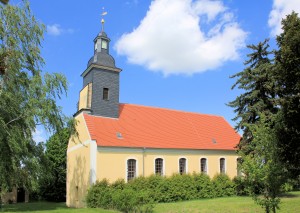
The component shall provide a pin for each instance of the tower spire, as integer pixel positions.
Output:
(100, 93)
(102, 19)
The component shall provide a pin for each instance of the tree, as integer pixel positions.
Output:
(263, 170)
(27, 95)
(258, 86)
(53, 179)
(4, 1)
(287, 75)
(269, 112)
(255, 110)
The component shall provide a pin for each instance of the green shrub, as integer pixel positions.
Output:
(139, 194)
(124, 199)
(138, 183)
(145, 202)
(162, 192)
(128, 200)
(286, 187)
(204, 186)
(290, 185)
(154, 186)
(241, 186)
(99, 195)
(180, 187)
(118, 184)
(119, 196)
(223, 186)
(154, 181)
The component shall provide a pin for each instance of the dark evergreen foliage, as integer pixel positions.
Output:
(52, 184)
(258, 91)
(268, 112)
(287, 76)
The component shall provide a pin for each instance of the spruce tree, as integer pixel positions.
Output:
(257, 85)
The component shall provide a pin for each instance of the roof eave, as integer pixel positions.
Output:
(115, 69)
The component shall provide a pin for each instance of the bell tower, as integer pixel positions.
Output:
(100, 93)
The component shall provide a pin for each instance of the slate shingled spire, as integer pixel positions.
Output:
(102, 73)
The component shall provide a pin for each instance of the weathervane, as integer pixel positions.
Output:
(102, 20)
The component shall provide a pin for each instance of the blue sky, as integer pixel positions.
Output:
(175, 54)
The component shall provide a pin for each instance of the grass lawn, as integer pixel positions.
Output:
(47, 207)
(289, 204)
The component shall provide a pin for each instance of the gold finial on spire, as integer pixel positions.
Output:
(102, 20)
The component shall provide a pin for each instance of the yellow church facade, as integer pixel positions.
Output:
(88, 160)
(125, 141)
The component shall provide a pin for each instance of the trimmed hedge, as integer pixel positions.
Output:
(223, 186)
(141, 193)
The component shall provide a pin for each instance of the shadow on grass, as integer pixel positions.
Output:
(290, 195)
(36, 206)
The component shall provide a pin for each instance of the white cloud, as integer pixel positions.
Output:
(39, 136)
(280, 9)
(56, 30)
(183, 37)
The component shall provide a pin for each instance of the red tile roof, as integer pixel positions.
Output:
(150, 127)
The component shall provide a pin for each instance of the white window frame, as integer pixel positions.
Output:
(225, 167)
(186, 164)
(206, 164)
(126, 167)
(163, 165)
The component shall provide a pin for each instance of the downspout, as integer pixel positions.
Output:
(144, 149)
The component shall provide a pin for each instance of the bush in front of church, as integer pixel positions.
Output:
(100, 195)
(141, 193)
(223, 186)
(119, 196)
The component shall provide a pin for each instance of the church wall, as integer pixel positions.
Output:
(78, 165)
(171, 161)
(83, 134)
(112, 165)
(112, 162)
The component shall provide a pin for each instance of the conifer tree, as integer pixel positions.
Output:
(268, 112)
(287, 76)
(258, 92)
(52, 183)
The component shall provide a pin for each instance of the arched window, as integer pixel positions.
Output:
(222, 165)
(203, 165)
(182, 166)
(131, 169)
(159, 164)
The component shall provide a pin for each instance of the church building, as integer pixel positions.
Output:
(124, 141)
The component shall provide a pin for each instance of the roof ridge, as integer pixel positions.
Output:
(174, 110)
